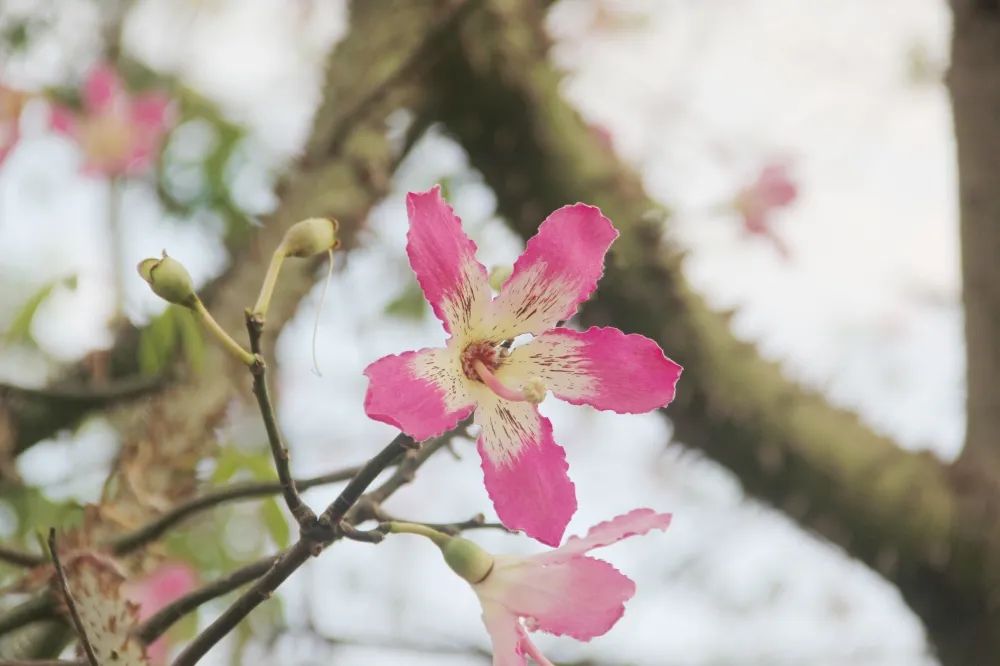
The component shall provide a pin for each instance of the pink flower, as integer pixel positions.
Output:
(772, 190)
(425, 393)
(163, 586)
(11, 102)
(562, 592)
(118, 133)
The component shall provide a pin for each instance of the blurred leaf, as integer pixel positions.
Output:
(191, 338)
(232, 459)
(274, 521)
(409, 304)
(159, 341)
(33, 508)
(20, 327)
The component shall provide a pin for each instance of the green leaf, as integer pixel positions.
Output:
(20, 327)
(33, 508)
(274, 521)
(158, 341)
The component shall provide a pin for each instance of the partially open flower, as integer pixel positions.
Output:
(563, 591)
(169, 280)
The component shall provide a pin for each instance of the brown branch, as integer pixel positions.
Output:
(81, 631)
(311, 544)
(128, 542)
(20, 558)
(974, 85)
(42, 662)
(156, 625)
(35, 609)
(301, 512)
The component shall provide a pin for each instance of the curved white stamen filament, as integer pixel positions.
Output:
(533, 391)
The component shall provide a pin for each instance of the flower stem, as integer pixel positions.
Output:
(400, 527)
(230, 345)
(270, 280)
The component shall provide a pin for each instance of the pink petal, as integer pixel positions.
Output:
(580, 596)
(63, 120)
(600, 367)
(558, 270)
(633, 523)
(524, 469)
(422, 393)
(775, 187)
(101, 89)
(444, 260)
(151, 112)
(505, 633)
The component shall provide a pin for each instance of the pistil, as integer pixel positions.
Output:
(533, 391)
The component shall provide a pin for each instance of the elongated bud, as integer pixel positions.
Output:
(310, 237)
(169, 280)
(467, 559)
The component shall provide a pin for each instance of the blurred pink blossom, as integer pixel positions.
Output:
(163, 586)
(11, 102)
(773, 189)
(119, 134)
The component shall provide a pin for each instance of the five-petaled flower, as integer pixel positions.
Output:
(773, 189)
(425, 393)
(11, 102)
(562, 592)
(119, 134)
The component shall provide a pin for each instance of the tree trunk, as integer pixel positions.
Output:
(897, 511)
(974, 83)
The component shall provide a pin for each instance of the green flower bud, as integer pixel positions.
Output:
(169, 280)
(467, 559)
(310, 237)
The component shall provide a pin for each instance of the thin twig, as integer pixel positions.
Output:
(114, 391)
(303, 515)
(477, 522)
(157, 624)
(20, 558)
(128, 542)
(350, 495)
(42, 662)
(365, 536)
(411, 462)
(35, 609)
(311, 544)
(70, 604)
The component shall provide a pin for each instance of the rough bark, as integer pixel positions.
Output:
(974, 83)
(898, 511)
